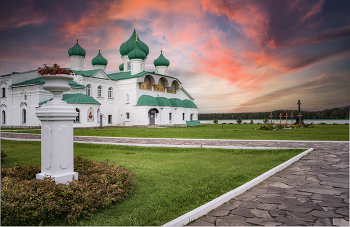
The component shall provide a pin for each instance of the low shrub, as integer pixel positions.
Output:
(231, 123)
(334, 123)
(251, 121)
(270, 126)
(298, 125)
(347, 123)
(245, 123)
(292, 126)
(3, 155)
(25, 199)
(279, 126)
(312, 126)
(263, 127)
(322, 123)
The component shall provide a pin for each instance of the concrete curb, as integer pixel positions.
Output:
(206, 208)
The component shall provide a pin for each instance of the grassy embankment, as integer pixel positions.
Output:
(170, 181)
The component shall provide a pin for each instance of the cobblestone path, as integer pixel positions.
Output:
(311, 191)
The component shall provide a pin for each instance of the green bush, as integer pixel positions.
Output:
(279, 126)
(270, 127)
(25, 199)
(215, 121)
(263, 127)
(312, 126)
(251, 121)
(239, 120)
(265, 120)
(3, 155)
(347, 123)
(298, 125)
(322, 123)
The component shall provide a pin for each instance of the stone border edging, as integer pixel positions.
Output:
(206, 208)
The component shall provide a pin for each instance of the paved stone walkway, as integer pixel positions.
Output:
(311, 191)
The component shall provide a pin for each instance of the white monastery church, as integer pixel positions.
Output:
(131, 97)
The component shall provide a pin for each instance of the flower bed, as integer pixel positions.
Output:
(26, 200)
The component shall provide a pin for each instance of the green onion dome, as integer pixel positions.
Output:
(76, 50)
(161, 61)
(137, 53)
(99, 60)
(121, 67)
(129, 45)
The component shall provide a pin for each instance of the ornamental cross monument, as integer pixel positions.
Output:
(291, 116)
(286, 119)
(271, 117)
(280, 118)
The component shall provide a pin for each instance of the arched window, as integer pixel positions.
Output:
(99, 91)
(3, 115)
(24, 116)
(3, 92)
(88, 90)
(77, 118)
(110, 92)
(25, 97)
(147, 83)
(161, 86)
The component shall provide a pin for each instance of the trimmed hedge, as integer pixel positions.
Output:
(28, 201)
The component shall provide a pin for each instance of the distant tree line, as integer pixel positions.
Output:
(334, 113)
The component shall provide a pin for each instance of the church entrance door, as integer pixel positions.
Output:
(152, 116)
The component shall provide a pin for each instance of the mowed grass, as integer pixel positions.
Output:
(170, 181)
(226, 131)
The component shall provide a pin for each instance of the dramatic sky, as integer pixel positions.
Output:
(232, 56)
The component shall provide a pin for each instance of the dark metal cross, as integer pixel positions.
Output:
(280, 118)
(299, 117)
(299, 103)
(286, 119)
(271, 117)
(291, 116)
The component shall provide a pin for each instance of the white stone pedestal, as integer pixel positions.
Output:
(57, 118)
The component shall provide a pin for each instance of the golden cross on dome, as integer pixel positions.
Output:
(99, 45)
(134, 23)
(136, 36)
(161, 47)
(77, 33)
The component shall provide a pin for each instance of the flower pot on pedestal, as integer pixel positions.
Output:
(57, 118)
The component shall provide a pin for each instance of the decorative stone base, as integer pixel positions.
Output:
(63, 178)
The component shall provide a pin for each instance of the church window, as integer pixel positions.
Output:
(183, 116)
(88, 90)
(109, 119)
(146, 85)
(170, 117)
(129, 66)
(25, 97)
(99, 91)
(127, 115)
(3, 117)
(77, 118)
(161, 86)
(191, 117)
(110, 92)
(127, 98)
(3, 92)
(24, 116)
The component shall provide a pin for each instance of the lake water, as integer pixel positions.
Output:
(276, 121)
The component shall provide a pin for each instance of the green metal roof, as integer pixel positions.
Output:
(76, 50)
(161, 60)
(10, 74)
(189, 103)
(87, 73)
(121, 67)
(130, 44)
(39, 80)
(76, 98)
(99, 60)
(164, 101)
(147, 100)
(125, 75)
(193, 123)
(137, 53)
(177, 102)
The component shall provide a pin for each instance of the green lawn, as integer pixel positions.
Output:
(170, 181)
(226, 131)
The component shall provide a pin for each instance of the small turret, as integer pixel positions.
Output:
(76, 56)
(99, 62)
(161, 63)
(137, 57)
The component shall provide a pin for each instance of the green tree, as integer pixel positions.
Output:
(215, 121)
(265, 120)
(239, 120)
(251, 121)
